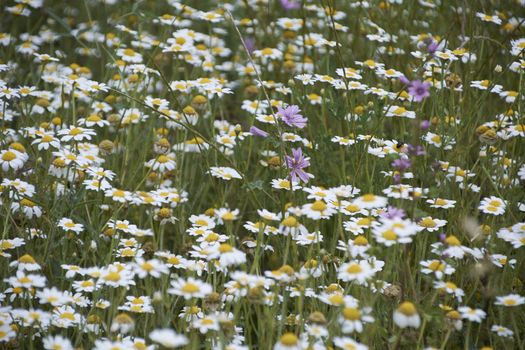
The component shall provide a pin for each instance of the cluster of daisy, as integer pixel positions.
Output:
(277, 174)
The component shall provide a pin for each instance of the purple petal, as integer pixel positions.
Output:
(303, 176)
(404, 80)
(255, 131)
(293, 176)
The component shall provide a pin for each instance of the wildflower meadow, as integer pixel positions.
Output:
(262, 174)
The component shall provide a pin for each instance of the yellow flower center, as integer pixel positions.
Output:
(452, 241)
(94, 118)
(201, 222)
(67, 316)
(454, 315)
(440, 201)
(364, 222)
(389, 235)
(148, 266)
(207, 321)
(6, 245)
(75, 131)
(352, 208)
(289, 339)
(361, 241)
(118, 193)
(399, 111)
(225, 248)
(112, 277)
(351, 313)
(195, 141)
(27, 203)
(368, 198)
(451, 285)
(228, 216)
(87, 283)
(427, 222)
(8, 156)
(212, 237)
(336, 299)
(190, 288)
(319, 206)
(173, 260)
(407, 308)
(163, 159)
(436, 138)
(290, 221)
(129, 52)
(436, 265)
(26, 259)
(354, 269)
(24, 280)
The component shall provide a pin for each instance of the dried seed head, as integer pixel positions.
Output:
(317, 317)
(106, 146)
(164, 213)
(109, 232)
(42, 102)
(489, 137)
(111, 99)
(114, 119)
(94, 319)
(212, 301)
(274, 161)
(393, 291)
(255, 295)
(251, 90)
(162, 146)
(148, 248)
(291, 320)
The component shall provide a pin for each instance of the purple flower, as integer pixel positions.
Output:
(393, 213)
(250, 44)
(289, 4)
(291, 116)
(432, 47)
(425, 124)
(415, 150)
(255, 131)
(297, 163)
(401, 164)
(404, 80)
(397, 178)
(419, 90)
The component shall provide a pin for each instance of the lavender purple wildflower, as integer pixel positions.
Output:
(419, 90)
(255, 131)
(250, 44)
(296, 164)
(401, 164)
(289, 5)
(393, 213)
(290, 115)
(432, 46)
